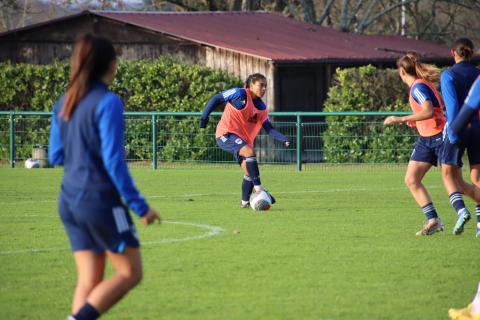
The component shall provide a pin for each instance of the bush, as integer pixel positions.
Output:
(154, 85)
(366, 139)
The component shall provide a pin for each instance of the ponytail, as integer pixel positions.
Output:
(464, 48)
(91, 59)
(412, 66)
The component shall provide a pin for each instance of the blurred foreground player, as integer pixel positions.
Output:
(87, 139)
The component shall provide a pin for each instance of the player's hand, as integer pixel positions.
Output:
(150, 217)
(203, 122)
(391, 119)
(286, 144)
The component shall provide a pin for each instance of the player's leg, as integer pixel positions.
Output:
(90, 271)
(475, 177)
(128, 273)
(452, 180)
(413, 179)
(251, 166)
(424, 156)
(473, 151)
(232, 143)
(247, 186)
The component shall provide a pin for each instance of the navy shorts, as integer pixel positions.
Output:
(470, 141)
(232, 143)
(97, 224)
(428, 149)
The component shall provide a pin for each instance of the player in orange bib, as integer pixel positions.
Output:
(428, 118)
(244, 116)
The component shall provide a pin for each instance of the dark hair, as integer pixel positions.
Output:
(91, 58)
(254, 78)
(464, 48)
(411, 64)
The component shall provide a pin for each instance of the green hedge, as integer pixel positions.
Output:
(365, 139)
(154, 85)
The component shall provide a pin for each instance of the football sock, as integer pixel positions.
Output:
(247, 187)
(429, 211)
(476, 302)
(87, 312)
(477, 212)
(456, 199)
(253, 172)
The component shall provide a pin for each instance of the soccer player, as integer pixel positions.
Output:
(244, 116)
(468, 115)
(86, 137)
(471, 312)
(455, 83)
(428, 118)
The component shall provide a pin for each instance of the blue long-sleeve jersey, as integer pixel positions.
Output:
(469, 110)
(238, 99)
(455, 83)
(90, 146)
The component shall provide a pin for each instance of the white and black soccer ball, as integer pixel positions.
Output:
(260, 201)
(32, 163)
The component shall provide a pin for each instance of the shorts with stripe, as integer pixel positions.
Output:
(428, 149)
(98, 221)
(232, 143)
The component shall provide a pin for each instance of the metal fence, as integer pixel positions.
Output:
(164, 139)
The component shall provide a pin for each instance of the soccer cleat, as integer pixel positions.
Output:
(271, 197)
(478, 231)
(245, 205)
(430, 228)
(463, 218)
(463, 314)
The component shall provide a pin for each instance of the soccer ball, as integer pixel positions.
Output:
(260, 201)
(31, 163)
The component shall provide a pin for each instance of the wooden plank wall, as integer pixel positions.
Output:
(243, 65)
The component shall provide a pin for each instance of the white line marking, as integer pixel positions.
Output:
(211, 232)
(190, 195)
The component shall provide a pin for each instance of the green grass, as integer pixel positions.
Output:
(339, 244)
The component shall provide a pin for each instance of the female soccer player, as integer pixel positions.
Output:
(468, 115)
(428, 118)
(455, 83)
(244, 116)
(87, 139)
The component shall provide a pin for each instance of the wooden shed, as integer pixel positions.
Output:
(298, 58)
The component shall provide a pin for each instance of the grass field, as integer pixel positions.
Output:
(339, 244)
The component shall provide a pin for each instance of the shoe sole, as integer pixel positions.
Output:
(459, 226)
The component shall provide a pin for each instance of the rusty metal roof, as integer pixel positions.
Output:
(275, 37)
(269, 36)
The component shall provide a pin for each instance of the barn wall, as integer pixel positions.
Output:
(242, 66)
(46, 44)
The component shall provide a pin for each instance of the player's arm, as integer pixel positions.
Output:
(109, 116)
(449, 96)
(55, 146)
(469, 108)
(274, 133)
(213, 103)
(236, 96)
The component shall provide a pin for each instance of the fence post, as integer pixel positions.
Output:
(154, 141)
(299, 142)
(12, 139)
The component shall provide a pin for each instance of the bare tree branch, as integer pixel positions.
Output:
(325, 12)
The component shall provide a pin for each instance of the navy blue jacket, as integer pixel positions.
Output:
(90, 146)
